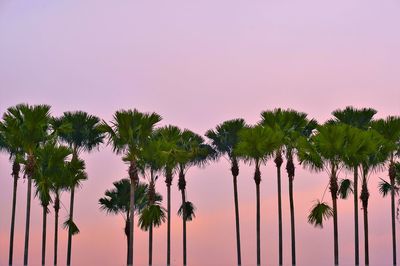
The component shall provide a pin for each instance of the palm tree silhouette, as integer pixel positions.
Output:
(224, 140)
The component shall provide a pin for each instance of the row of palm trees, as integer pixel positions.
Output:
(351, 141)
(49, 150)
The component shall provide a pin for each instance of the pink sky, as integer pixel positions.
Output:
(198, 64)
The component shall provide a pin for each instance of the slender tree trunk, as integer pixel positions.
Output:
(334, 189)
(71, 217)
(28, 216)
(151, 245)
(392, 175)
(133, 175)
(56, 210)
(257, 179)
(184, 227)
(235, 192)
(127, 238)
(168, 225)
(364, 198)
(290, 169)
(44, 235)
(131, 224)
(235, 173)
(356, 242)
(14, 204)
(278, 161)
(292, 222)
(168, 182)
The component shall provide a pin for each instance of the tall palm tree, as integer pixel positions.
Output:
(10, 144)
(224, 140)
(324, 151)
(192, 152)
(293, 125)
(61, 182)
(117, 199)
(389, 128)
(32, 125)
(359, 118)
(256, 145)
(85, 134)
(168, 137)
(129, 132)
(51, 161)
(376, 156)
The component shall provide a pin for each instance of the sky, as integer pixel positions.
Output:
(198, 64)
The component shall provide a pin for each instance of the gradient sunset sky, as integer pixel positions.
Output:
(198, 64)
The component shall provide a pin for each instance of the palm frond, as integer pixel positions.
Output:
(71, 227)
(345, 188)
(187, 211)
(319, 212)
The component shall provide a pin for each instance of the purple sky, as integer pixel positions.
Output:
(198, 64)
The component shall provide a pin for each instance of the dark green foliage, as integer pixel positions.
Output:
(319, 212)
(345, 188)
(187, 211)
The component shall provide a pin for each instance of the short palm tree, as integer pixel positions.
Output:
(323, 152)
(85, 134)
(224, 140)
(192, 152)
(129, 132)
(51, 162)
(10, 144)
(358, 118)
(293, 125)
(389, 128)
(168, 137)
(32, 126)
(256, 145)
(117, 199)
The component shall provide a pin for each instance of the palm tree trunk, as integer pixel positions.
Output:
(168, 224)
(151, 245)
(14, 203)
(56, 209)
(393, 220)
(71, 217)
(44, 235)
(292, 223)
(334, 190)
(364, 198)
(131, 223)
(278, 161)
(127, 238)
(257, 179)
(184, 227)
(290, 169)
(235, 192)
(28, 216)
(356, 243)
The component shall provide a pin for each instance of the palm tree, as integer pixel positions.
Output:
(51, 161)
(168, 137)
(116, 201)
(85, 134)
(389, 128)
(129, 132)
(359, 118)
(10, 144)
(376, 156)
(224, 140)
(293, 125)
(324, 152)
(31, 128)
(192, 152)
(256, 145)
